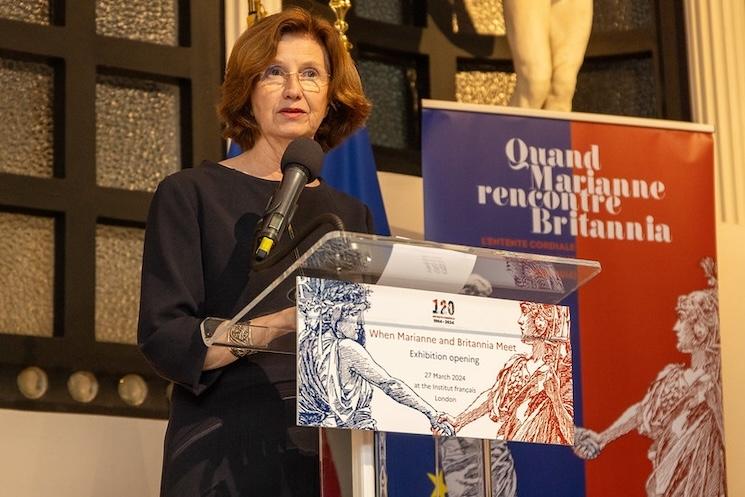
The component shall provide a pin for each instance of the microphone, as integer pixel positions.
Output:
(301, 164)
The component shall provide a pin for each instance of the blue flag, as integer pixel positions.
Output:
(233, 150)
(410, 466)
(350, 168)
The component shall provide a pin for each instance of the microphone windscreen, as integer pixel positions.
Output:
(307, 153)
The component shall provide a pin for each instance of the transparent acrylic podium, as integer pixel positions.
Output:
(372, 259)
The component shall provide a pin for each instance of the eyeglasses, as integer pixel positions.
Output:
(310, 79)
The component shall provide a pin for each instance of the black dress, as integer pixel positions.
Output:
(231, 431)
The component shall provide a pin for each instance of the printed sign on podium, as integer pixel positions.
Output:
(373, 357)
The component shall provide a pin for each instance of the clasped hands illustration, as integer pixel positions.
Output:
(444, 425)
(587, 443)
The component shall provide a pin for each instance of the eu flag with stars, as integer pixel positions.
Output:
(410, 466)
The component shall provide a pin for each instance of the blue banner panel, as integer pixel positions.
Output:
(480, 190)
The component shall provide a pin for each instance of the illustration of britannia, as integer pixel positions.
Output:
(531, 400)
(682, 410)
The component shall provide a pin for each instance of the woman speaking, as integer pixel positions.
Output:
(231, 429)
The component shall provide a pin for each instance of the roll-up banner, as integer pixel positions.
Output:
(638, 196)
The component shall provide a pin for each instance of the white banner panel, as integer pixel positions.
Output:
(383, 358)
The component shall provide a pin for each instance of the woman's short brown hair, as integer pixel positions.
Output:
(254, 51)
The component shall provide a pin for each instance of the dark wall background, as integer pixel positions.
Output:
(102, 99)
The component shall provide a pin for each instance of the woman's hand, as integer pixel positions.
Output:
(264, 330)
(272, 326)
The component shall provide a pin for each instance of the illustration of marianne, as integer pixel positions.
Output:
(531, 400)
(682, 409)
(337, 372)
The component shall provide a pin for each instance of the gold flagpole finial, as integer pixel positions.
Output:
(340, 8)
(256, 12)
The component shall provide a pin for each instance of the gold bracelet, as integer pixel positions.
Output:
(241, 333)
